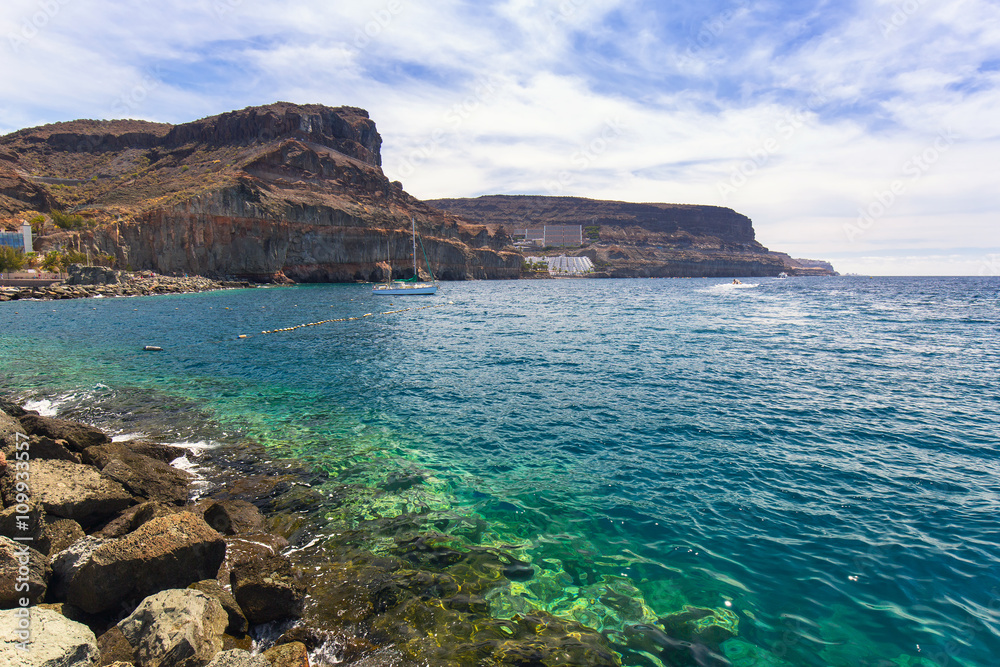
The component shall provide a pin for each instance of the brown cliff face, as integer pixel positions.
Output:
(638, 240)
(265, 191)
(298, 191)
(534, 211)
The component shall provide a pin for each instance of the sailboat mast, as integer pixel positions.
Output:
(413, 222)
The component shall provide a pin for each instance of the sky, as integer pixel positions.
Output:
(865, 133)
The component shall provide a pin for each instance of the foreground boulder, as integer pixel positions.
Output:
(21, 524)
(293, 654)
(73, 491)
(55, 640)
(61, 534)
(77, 436)
(238, 625)
(166, 552)
(145, 477)
(24, 573)
(11, 408)
(233, 517)
(238, 658)
(175, 628)
(43, 447)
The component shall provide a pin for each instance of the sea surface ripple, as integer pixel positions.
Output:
(819, 456)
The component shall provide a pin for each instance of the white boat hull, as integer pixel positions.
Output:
(397, 289)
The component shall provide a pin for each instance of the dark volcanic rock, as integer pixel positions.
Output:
(14, 556)
(78, 436)
(33, 525)
(232, 517)
(42, 447)
(10, 428)
(145, 477)
(347, 130)
(237, 621)
(166, 552)
(11, 408)
(60, 534)
(72, 491)
(268, 589)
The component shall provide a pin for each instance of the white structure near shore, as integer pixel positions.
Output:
(567, 266)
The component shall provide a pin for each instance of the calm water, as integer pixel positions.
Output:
(819, 457)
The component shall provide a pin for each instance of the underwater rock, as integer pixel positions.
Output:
(705, 626)
(650, 639)
(268, 589)
(399, 481)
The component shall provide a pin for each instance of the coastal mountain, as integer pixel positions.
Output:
(288, 191)
(267, 192)
(643, 240)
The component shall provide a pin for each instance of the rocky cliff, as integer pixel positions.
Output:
(265, 192)
(641, 240)
(297, 191)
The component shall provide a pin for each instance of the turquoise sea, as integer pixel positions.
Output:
(815, 459)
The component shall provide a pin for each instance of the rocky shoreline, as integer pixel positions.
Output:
(109, 555)
(85, 282)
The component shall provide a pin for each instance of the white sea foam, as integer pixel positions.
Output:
(125, 437)
(44, 407)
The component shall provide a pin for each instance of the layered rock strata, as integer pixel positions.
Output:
(634, 240)
(261, 193)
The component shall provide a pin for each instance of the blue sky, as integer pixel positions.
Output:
(861, 132)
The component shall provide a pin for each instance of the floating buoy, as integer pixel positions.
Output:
(242, 336)
(152, 348)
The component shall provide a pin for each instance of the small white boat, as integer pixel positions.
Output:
(400, 288)
(410, 286)
(782, 275)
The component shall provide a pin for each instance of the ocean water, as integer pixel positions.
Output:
(815, 460)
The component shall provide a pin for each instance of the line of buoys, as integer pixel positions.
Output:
(342, 319)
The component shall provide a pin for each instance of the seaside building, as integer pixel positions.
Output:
(19, 240)
(552, 235)
(568, 266)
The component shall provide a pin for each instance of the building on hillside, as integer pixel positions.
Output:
(18, 240)
(552, 235)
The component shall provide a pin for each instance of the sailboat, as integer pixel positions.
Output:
(410, 285)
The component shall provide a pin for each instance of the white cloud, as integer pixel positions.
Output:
(812, 112)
